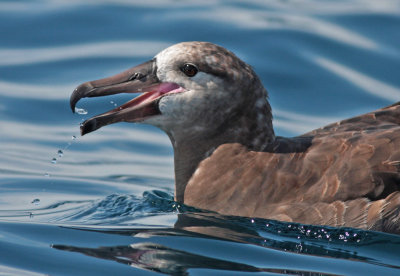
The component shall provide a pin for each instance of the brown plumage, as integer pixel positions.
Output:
(227, 158)
(345, 174)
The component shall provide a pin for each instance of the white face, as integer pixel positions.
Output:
(204, 97)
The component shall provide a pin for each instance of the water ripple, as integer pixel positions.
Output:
(299, 122)
(263, 20)
(366, 83)
(96, 49)
(303, 6)
(35, 91)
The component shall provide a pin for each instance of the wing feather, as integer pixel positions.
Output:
(344, 174)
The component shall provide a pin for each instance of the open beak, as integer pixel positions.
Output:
(139, 79)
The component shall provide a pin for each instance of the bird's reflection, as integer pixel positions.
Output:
(160, 258)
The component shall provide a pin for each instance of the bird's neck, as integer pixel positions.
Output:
(252, 129)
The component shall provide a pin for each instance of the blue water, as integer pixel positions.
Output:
(104, 205)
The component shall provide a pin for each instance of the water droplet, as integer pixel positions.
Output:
(54, 160)
(47, 175)
(81, 111)
(112, 102)
(60, 153)
(73, 137)
(36, 201)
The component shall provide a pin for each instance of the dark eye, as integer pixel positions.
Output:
(189, 69)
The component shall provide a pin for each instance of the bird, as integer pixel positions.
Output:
(227, 158)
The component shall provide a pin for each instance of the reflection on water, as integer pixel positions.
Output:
(109, 195)
(157, 257)
(188, 243)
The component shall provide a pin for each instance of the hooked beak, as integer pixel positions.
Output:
(139, 79)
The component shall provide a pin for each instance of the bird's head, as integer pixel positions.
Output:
(184, 88)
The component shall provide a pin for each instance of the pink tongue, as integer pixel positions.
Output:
(166, 87)
(152, 93)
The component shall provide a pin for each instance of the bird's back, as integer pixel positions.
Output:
(344, 174)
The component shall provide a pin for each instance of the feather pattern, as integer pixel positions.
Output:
(344, 174)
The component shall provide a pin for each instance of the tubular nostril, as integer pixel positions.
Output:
(136, 76)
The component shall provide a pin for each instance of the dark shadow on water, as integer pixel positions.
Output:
(272, 235)
(159, 258)
(188, 228)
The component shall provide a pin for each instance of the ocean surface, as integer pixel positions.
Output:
(103, 204)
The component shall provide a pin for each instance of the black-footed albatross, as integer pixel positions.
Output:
(227, 158)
